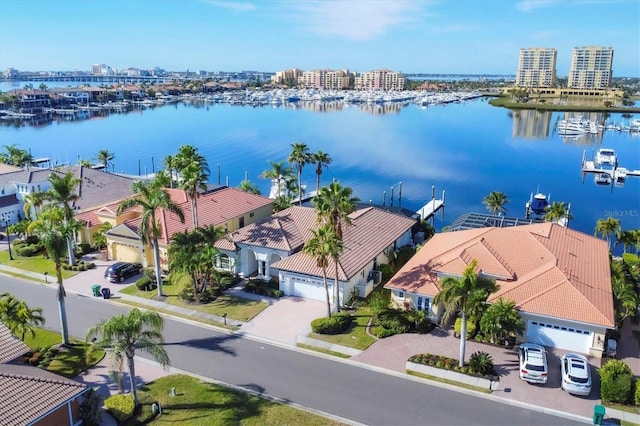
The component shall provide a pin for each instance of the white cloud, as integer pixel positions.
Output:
(232, 5)
(529, 5)
(359, 20)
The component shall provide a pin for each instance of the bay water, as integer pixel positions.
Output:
(467, 149)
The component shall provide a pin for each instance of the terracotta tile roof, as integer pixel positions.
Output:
(10, 346)
(544, 268)
(372, 230)
(30, 392)
(286, 230)
(214, 208)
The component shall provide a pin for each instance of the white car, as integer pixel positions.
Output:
(533, 363)
(576, 374)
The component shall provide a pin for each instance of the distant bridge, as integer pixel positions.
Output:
(100, 79)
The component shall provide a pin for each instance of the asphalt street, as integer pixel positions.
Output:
(343, 388)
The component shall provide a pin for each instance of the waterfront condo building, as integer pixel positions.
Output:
(591, 68)
(537, 67)
(287, 76)
(380, 80)
(326, 79)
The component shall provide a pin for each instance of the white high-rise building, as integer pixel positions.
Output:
(591, 68)
(537, 67)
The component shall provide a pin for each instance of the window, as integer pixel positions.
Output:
(242, 222)
(401, 294)
(225, 261)
(252, 214)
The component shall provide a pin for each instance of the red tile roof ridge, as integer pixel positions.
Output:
(60, 381)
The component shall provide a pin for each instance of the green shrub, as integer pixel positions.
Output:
(84, 248)
(616, 380)
(17, 242)
(481, 362)
(471, 327)
(28, 250)
(387, 271)
(636, 396)
(379, 300)
(121, 407)
(144, 283)
(335, 324)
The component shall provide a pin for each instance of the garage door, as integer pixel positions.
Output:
(126, 253)
(554, 335)
(309, 290)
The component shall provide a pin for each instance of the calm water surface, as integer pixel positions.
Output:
(466, 149)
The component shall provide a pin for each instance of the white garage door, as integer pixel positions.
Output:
(554, 335)
(308, 290)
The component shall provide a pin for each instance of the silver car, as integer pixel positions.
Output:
(533, 363)
(576, 374)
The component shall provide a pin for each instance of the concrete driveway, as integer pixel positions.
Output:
(392, 353)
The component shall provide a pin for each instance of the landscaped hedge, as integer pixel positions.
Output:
(616, 381)
(446, 363)
(146, 283)
(471, 328)
(636, 397)
(336, 324)
(389, 322)
(28, 250)
(82, 265)
(120, 406)
(262, 289)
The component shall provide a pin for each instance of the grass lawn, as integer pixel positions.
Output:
(201, 403)
(70, 361)
(34, 264)
(628, 408)
(356, 336)
(447, 381)
(236, 308)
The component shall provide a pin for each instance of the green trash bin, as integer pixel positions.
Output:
(598, 414)
(96, 290)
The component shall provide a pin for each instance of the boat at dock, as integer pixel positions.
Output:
(536, 205)
(577, 126)
(606, 156)
(603, 178)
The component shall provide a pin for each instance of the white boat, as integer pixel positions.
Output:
(576, 126)
(620, 176)
(603, 178)
(606, 156)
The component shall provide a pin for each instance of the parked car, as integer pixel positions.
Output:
(576, 374)
(120, 271)
(533, 363)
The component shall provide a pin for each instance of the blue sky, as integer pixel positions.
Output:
(439, 36)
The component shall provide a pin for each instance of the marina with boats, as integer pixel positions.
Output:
(605, 168)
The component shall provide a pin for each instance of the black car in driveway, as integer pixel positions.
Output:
(120, 271)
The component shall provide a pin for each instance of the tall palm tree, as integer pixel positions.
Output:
(321, 160)
(495, 202)
(151, 197)
(606, 228)
(105, 157)
(194, 175)
(278, 173)
(18, 317)
(323, 244)
(18, 157)
(169, 163)
(53, 232)
(300, 156)
(625, 299)
(63, 192)
(250, 187)
(462, 295)
(123, 334)
(557, 211)
(33, 202)
(626, 238)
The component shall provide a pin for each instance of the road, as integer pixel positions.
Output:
(340, 388)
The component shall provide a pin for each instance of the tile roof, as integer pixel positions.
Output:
(372, 230)
(31, 392)
(214, 208)
(286, 230)
(8, 168)
(10, 346)
(544, 268)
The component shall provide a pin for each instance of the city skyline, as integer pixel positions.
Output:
(464, 37)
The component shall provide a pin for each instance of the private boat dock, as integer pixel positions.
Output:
(429, 210)
(605, 176)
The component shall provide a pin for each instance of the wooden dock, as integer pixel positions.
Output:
(429, 210)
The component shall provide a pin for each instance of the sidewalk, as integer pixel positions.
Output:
(259, 328)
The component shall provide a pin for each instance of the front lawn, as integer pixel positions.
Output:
(69, 361)
(356, 335)
(236, 308)
(34, 264)
(202, 403)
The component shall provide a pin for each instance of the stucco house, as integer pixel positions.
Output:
(272, 248)
(559, 279)
(223, 207)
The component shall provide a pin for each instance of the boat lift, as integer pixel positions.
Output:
(617, 175)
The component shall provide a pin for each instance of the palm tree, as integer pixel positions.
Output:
(33, 202)
(151, 196)
(104, 157)
(63, 192)
(320, 159)
(606, 228)
(99, 237)
(333, 205)
(278, 172)
(495, 202)
(250, 187)
(53, 233)
(322, 245)
(626, 238)
(194, 174)
(18, 316)
(299, 156)
(625, 299)
(17, 156)
(557, 211)
(169, 163)
(461, 295)
(501, 320)
(123, 334)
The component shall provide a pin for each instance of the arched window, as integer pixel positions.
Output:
(224, 261)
